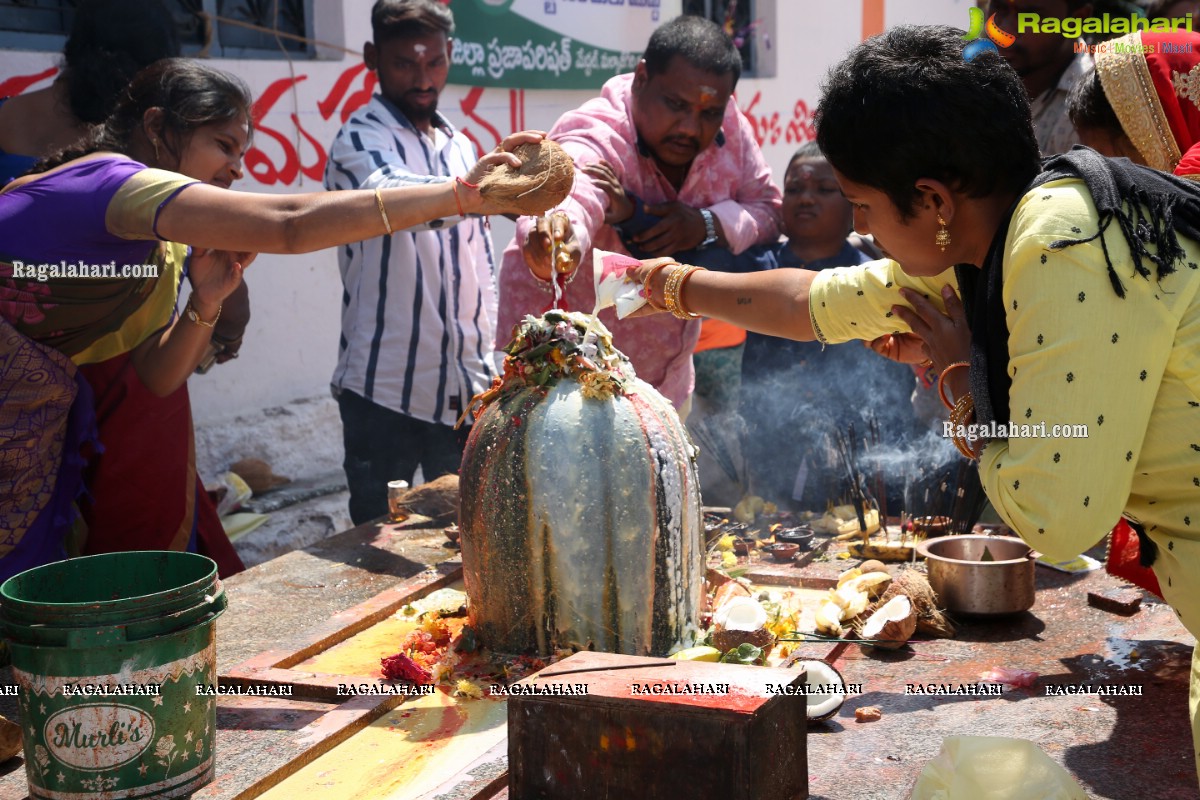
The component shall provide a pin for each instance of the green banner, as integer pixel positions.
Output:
(551, 44)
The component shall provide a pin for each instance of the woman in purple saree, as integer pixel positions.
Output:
(139, 184)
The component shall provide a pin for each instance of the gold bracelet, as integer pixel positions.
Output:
(960, 417)
(942, 381)
(672, 290)
(191, 313)
(387, 224)
(679, 294)
(671, 287)
(648, 291)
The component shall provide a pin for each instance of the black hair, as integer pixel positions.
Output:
(392, 19)
(905, 105)
(1155, 8)
(807, 150)
(1089, 108)
(110, 41)
(189, 94)
(702, 43)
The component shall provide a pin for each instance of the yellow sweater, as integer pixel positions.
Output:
(1127, 369)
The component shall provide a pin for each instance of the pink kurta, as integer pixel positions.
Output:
(730, 177)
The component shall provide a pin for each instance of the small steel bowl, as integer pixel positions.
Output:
(967, 585)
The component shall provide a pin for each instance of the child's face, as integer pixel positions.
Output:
(813, 205)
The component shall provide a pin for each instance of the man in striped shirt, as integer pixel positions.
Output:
(419, 305)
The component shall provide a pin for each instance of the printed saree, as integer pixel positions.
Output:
(1152, 82)
(97, 210)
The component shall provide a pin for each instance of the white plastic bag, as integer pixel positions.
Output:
(994, 768)
(608, 270)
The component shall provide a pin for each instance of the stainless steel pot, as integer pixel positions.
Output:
(968, 585)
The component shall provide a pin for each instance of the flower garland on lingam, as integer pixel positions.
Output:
(558, 345)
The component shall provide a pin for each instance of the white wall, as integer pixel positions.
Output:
(290, 347)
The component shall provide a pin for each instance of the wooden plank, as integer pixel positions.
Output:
(276, 667)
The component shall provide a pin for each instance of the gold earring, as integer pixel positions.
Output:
(942, 240)
(158, 157)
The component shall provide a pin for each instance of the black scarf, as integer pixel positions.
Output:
(1151, 208)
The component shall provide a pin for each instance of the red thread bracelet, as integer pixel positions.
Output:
(457, 202)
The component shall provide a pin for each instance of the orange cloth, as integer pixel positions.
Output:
(715, 334)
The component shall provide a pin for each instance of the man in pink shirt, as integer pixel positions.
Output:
(681, 152)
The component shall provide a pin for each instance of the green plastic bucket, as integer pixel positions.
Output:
(110, 653)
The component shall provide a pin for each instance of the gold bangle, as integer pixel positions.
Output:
(648, 291)
(672, 289)
(942, 381)
(387, 224)
(191, 313)
(960, 417)
(679, 294)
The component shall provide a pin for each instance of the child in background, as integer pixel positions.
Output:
(795, 393)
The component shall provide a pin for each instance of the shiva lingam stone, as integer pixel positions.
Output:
(580, 504)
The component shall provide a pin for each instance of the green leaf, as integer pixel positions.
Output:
(987, 555)
(742, 654)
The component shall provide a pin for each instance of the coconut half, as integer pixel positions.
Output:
(892, 625)
(826, 690)
(740, 620)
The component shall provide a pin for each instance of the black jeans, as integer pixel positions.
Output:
(384, 445)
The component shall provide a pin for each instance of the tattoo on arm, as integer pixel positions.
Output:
(743, 301)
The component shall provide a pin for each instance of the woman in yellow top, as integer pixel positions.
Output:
(1079, 281)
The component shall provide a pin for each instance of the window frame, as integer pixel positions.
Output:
(11, 39)
(761, 62)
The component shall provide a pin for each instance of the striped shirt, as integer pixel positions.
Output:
(418, 306)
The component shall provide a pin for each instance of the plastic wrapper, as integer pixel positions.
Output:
(236, 492)
(1016, 678)
(994, 768)
(608, 270)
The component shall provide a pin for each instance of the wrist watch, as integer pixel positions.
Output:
(710, 228)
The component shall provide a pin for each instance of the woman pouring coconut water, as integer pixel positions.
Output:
(1080, 284)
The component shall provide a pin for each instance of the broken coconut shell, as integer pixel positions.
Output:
(915, 586)
(258, 475)
(826, 690)
(741, 620)
(10, 739)
(437, 499)
(892, 625)
(544, 180)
